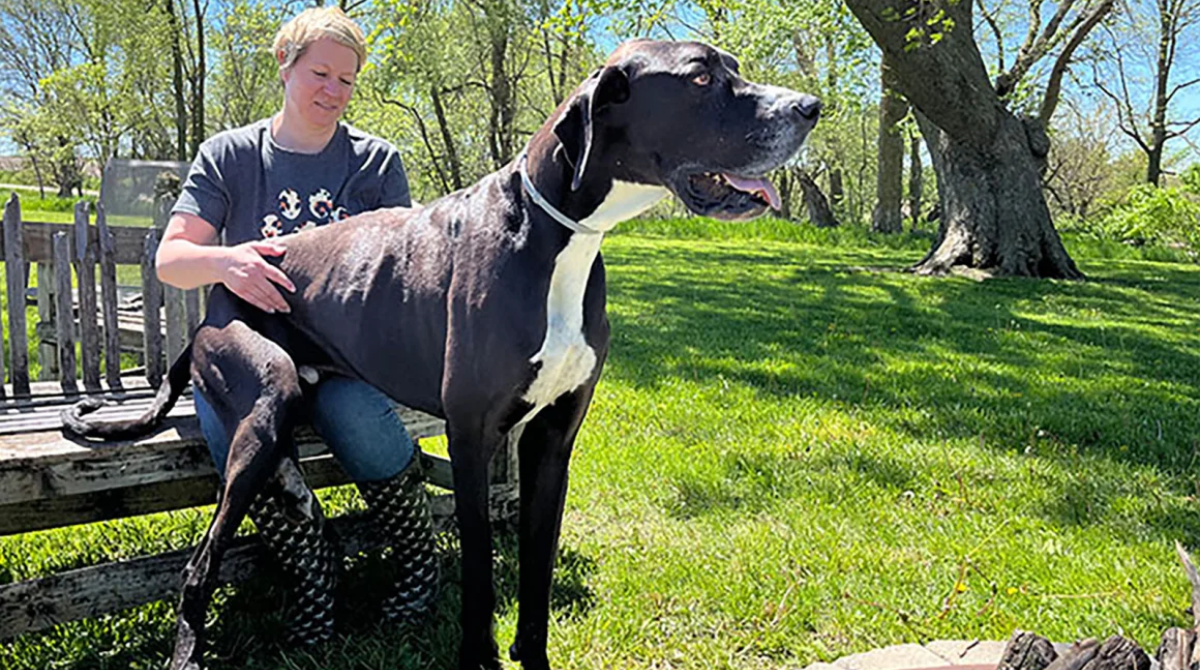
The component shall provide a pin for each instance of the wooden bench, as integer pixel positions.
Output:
(48, 480)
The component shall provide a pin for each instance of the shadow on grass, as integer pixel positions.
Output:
(365, 641)
(247, 623)
(754, 482)
(1108, 368)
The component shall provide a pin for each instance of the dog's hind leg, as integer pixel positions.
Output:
(262, 408)
(544, 453)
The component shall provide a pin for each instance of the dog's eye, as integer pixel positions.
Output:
(703, 79)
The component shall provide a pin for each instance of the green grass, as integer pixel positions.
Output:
(795, 454)
(43, 216)
(53, 209)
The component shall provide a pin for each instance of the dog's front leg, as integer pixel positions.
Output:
(471, 449)
(545, 451)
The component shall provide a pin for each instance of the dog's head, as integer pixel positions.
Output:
(679, 115)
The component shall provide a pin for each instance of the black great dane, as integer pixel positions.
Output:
(485, 307)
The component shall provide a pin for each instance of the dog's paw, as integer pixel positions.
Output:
(530, 659)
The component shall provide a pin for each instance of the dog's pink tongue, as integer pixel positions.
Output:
(762, 186)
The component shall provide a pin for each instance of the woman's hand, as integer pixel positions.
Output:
(243, 271)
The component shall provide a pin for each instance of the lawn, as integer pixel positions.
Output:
(60, 210)
(797, 452)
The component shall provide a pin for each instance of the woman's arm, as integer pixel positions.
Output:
(190, 256)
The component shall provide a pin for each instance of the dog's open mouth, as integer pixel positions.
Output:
(723, 195)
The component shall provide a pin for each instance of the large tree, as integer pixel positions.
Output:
(988, 160)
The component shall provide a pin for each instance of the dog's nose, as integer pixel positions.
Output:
(807, 106)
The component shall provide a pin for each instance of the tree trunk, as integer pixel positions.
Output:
(177, 82)
(837, 189)
(994, 215)
(889, 178)
(837, 192)
(502, 96)
(66, 168)
(915, 179)
(1162, 75)
(37, 173)
(456, 179)
(784, 182)
(819, 212)
(198, 82)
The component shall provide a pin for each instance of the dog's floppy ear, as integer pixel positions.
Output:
(574, 129)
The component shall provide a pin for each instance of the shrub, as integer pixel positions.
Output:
(1149, 214)
(1191, 179)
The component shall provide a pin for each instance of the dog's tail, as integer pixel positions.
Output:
(75, 419)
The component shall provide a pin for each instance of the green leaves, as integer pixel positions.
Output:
(1153, 214)
(929, 21)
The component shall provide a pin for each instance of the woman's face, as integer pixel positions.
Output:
(318, 85)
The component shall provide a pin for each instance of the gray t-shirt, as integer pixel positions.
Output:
(251, 188)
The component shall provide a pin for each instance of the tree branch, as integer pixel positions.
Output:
(1054, 85)
(1122, 113)
(991, 21)
(1182, 86)
(1036, 45)
(1187, 126)
(424, 137)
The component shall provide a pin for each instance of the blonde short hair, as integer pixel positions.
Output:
(316, 23)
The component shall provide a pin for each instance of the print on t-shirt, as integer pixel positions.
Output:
(321, 208)
(271, 226)
(289, 204)
(320, 204)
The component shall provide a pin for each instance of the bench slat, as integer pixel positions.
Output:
(85, 279)
(320, 471)
(108, 300)
(63, 320)
(42, 394)
(47, 353)
(152, 302)
(34, 466)
(176, 335)
(16, 279)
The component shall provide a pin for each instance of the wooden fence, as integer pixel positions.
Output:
(49, 480)
(99, 327)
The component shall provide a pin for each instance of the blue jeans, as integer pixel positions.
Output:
(356, 420)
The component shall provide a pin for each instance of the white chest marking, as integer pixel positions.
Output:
(566, 361)
(624, 201)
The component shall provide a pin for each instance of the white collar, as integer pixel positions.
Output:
(546, 206)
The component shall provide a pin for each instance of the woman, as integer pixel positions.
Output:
(303, 167)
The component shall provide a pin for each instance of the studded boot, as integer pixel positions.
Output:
(308, 560)
(399, 511)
